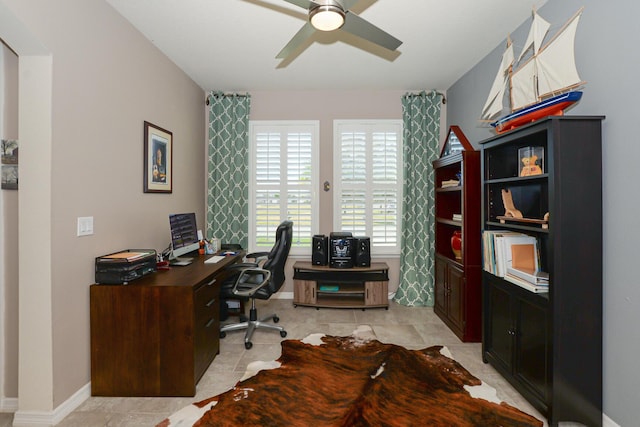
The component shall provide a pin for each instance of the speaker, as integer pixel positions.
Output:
(319, 251)
(362, 253)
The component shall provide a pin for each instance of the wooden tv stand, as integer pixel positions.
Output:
(157, 335)
(324, 286)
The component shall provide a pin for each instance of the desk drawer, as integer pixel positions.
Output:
(207, 325)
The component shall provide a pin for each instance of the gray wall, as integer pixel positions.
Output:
(606, 51)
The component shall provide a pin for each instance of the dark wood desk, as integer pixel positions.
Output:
(157, 335)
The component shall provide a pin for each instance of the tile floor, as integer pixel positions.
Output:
(411, 327)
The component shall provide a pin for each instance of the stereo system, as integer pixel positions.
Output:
(341, 250)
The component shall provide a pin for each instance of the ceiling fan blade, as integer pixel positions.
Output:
(348, 4)
(305, 4)
(301, 36)
(359, 27)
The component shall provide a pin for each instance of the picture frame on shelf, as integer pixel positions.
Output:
(158, 159)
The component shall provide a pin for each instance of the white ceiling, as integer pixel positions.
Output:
(231, 45)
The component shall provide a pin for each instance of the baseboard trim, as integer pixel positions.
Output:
(8, 404)
(48, 419)
(608, 422)
(282, 295)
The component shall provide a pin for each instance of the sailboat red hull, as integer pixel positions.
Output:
(554, 106)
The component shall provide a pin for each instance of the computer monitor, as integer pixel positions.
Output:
(184, 234)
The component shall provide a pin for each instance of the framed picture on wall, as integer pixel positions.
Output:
(158, 150)
(9, 150)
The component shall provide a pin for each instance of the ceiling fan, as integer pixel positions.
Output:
(331, 15)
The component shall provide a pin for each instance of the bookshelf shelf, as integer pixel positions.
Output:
(458, 282)
(536, 340)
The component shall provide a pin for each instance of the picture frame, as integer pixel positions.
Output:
(9, 150)
(158, 159)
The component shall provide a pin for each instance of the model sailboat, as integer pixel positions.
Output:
(543, 85)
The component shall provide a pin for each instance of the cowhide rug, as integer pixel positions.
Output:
(354, 381)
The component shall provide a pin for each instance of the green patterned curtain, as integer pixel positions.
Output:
(421, 117)
(227, 167)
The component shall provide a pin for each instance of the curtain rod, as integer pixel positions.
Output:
(226, 94)
(241, 95)
(432, 92)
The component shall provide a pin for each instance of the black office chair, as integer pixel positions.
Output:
(259, 280)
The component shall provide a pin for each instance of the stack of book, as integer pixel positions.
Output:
(531, 280)
(450, 183)
(524, 271)
(514, 256)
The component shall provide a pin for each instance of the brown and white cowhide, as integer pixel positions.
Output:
(354, 381)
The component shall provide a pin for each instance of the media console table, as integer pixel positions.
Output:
(157, 335)
(357, 287)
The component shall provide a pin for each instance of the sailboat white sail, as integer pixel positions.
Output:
(549, 70)
(494, 104)
(537, 33)
(557, 63)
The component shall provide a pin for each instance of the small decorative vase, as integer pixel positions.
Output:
(456, 244)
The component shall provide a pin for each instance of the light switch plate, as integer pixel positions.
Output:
(85, 226)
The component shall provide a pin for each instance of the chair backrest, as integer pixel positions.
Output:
(277, 258)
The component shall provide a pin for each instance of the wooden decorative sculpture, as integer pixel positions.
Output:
(509, 208)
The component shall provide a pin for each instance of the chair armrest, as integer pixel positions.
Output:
(254, 287)
(256, 255)
(241, 266)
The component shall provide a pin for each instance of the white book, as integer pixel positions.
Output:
(488, 248)
(500, 251)
(535, 277)
(538, 289)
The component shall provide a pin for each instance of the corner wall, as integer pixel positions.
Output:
(106, 79)
(8, 239)
(606, 40)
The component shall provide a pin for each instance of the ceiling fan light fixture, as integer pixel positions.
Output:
(327, 17)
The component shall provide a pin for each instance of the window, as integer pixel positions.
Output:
(283, 180)
(368, 181)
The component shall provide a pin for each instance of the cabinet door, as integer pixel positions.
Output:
(376, 293)
(440, 286)
(500, 327)
(304, 292)
(531, 355)
(456, 280)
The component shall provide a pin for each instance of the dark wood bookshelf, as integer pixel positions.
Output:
(549, 345)
(457, 281)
